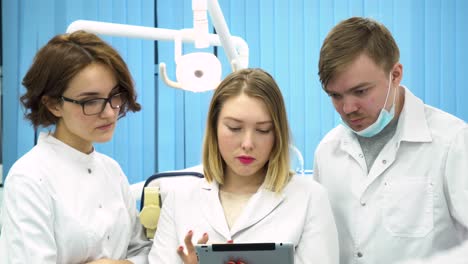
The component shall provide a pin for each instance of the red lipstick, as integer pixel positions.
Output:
(246, 159)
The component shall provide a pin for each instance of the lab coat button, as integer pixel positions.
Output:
(363, 203)
(384, 161)
(89, 171)
(359, 255)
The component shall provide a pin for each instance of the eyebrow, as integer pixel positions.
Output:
(240, 121)
(357, 86)
(96, 93)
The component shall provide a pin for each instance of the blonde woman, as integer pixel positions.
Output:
(249, 193)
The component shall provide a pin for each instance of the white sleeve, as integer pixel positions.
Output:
(319, 240)
(27, 222)
(316, 170)
(165, 244)
(316, 173)
(456, 176)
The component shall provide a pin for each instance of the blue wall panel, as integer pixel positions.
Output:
(296, 85)
(171, 103)
(461, 66)
(312, 42)
(432, 54)
(284, 38)
(252, 19)
(448, 46)
(10, 10)
(266, 40)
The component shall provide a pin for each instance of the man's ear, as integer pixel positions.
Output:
(52, 105)
(397, 73)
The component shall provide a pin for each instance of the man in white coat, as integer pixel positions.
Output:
(396, 169)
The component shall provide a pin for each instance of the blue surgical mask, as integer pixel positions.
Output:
(382, 121)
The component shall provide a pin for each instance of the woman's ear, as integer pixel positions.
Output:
(52, 105)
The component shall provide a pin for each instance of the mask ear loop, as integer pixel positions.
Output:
(388, 91)
(396, 90)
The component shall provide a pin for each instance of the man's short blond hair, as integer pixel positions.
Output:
(351, 38)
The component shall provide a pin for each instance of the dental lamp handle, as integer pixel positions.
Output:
(165, 78)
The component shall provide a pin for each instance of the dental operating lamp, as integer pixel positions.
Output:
(197, 71)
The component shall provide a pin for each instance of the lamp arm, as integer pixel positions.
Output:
(123, 30)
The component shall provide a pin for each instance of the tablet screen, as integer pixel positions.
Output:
(250, 253)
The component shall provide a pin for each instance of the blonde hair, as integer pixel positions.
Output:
(258, 84)
(349, 39)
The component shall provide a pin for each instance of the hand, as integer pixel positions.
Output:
(191, 256)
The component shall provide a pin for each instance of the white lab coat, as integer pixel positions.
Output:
(457, 255)
(301, 214)
(413, 202)
(63, 206)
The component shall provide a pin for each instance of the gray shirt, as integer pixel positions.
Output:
(371, 146)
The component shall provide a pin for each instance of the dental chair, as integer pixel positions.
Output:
(155, 189)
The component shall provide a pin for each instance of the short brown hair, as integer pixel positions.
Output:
(61, 59)
(349, 39)
(258, 84)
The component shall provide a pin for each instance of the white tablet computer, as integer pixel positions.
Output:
(250, 253)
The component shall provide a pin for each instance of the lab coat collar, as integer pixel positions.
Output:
(412, 124)
(212, 210)
(260, 205)
(66, 150)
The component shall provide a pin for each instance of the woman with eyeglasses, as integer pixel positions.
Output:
(63, 201)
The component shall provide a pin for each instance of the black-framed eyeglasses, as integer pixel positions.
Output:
(97, 105)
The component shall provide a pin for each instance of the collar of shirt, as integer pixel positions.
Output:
(64, 149)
